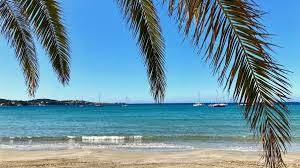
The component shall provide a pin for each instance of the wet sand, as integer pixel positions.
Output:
(87, 158)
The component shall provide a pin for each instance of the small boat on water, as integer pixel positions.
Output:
(197, 104)
(99, 104)
(218, 105)
(125, 103)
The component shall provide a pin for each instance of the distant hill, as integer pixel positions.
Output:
(43, 102)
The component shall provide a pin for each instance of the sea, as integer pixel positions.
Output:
(136, 127)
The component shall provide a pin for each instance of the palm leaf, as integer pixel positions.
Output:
(236, 45)
(142, 18)
(16, 30)
(45, 16)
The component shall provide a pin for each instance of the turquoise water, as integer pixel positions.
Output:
(135, 127)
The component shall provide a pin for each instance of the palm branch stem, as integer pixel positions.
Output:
(233, 32)
(15, 28)
(143, 20)
(45, 16)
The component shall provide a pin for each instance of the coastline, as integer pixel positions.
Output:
(80, 158)
(149, 136)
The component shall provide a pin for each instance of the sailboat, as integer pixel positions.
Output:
(99, 104)
(125, 104)
(198, 104)
(242, 104)
(217, 104)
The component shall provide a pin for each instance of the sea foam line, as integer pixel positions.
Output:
(112, 139)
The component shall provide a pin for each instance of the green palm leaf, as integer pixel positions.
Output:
(142, 18)
(16, 30)
(45, 16)
(236, 45)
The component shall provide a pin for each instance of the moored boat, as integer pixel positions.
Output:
(218, 105)
(197, 104)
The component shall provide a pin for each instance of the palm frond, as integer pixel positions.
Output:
(236, 44)
(16, 30)
(143, 20)
(45, 16)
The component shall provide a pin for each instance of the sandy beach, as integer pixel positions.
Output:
(123, 159)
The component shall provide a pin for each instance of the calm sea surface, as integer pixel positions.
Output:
(165, 127)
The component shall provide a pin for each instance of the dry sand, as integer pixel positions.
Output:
(86, 158)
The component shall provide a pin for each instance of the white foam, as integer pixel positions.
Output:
(137, 137)
(108, 139)
(99, 139)
(71, 137)
(99, 142)
(102, 137)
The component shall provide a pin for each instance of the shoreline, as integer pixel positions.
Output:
(80, 158)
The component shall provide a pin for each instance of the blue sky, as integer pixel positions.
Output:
(106, 60)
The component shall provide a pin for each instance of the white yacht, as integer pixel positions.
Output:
(198, 104)
(125, 103)
(218, 100)
(218, 105)
(99, 104)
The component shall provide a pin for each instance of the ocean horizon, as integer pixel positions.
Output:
(137, 127)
